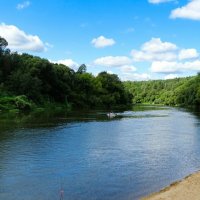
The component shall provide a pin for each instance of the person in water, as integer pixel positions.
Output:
(61, 194)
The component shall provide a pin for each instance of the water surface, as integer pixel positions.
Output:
(92, 157)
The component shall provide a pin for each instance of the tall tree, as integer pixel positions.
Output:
(3, 45)
(82, 69)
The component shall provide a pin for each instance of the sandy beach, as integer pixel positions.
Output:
(186, 189)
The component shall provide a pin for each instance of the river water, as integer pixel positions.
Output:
(89, 156)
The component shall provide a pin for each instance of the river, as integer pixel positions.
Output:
(89, 156)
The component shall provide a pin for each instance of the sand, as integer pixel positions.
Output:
(186, 189)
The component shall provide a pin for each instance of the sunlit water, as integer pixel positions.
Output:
(92, 157)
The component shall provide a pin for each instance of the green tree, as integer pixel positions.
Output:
(82, 69)
(3, 44)
(41, 81)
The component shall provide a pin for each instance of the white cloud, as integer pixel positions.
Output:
(188, 54)
(164, 67)
(189, 11)
(68, 62)
(171, 76)
(175, 67)
(23, 5)
(155, 50)
(141, 56)
(18, 40)
(135, 77)
(110, 72)
(159, 1)
(128, 68)
(112, 61)
(167, 58)
(155, 45)
(102, 42)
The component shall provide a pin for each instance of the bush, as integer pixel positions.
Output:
(16, 102)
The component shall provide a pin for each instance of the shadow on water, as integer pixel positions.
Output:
(11, 122)
(194, 110)
(52, 118)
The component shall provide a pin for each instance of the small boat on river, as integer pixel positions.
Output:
(111, 115)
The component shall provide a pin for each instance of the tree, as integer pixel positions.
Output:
(41, 81)
(3, 45)
(82, 69)
(113, 91)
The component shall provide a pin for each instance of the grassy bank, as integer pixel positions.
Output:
(21, 104)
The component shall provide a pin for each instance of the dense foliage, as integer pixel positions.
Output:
(26, 80)
(179, 91)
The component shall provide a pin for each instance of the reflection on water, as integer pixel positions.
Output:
(93, 157)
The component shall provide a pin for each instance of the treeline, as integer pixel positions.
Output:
(178, 91)
(26, 80)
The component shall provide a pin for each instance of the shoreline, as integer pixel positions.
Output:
(185, 189)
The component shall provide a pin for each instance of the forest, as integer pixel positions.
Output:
(28, 81)
(173, 92)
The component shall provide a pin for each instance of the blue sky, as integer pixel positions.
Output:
(136, 39)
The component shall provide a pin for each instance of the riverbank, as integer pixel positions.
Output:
(185, 189)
